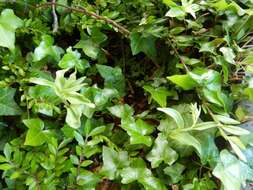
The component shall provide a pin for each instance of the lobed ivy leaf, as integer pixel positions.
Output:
(145, 44)
(9, 22)
(159, 94)
(46, 48)
(72, 60)
(7, 103)
(35, 136)
(138, 171)
(232, 172)
(161, 152)
(113, 78)
(113, 162)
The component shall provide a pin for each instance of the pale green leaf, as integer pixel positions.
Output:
(175, 115)
(228, 54)
(186, 139)
(235, 130)
(226, 120)
(183, 81)
(9, 22)
(232, 172)
(161, 152)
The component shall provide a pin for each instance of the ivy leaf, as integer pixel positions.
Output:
(143, 44)
(113, 161)
(138, 131)
(161, 152)
(209, 151)
(9, 22)
(122, 111)
(7, 104)
(35, 135)
(87, 179)
(211, 46)
(184, 81)
(228, 54)
(158, 94)
(175, 172)
(113, 77)
(190, 7)
(46, 48)
(232, 172)
(89, 47)
(72, 60)
(139, 172)
(176, 11)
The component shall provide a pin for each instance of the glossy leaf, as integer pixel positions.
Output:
(9, 22)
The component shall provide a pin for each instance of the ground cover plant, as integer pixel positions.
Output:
(126, 95)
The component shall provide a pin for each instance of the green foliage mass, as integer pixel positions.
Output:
(125, 94)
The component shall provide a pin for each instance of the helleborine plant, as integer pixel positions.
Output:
(67, 89)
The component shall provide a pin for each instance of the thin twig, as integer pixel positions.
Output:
(55, 24)
(178, 55)
(83, 10)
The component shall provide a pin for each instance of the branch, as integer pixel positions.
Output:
(55, 24)
(83, 10)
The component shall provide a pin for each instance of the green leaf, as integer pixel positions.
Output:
(121, 111)
(228, 54)
(46, 48)
(209, 151)
(204, 125)
(72, 60)
(169, 2)
(74, 159)
(3, 159)
(97, 130)
(237, 146)
(143, 44)
(89, 47)
(138, 172)
(175, 115)
(7, 104)
(9, 22)
(186, 139)
(79, 138)
(138, 131)
(226, 120)
(177, 12)
(113, 161)
(5, 166)
(175, 172)
(35, 135)
(7, 151)
(73, 117)
(232, 172)
(161, 152)
(159, 94)
(235, 130)
(211, 46)
(87, 179)
(184, 81)
(113, 77)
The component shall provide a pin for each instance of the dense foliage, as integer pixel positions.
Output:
(126, 94)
